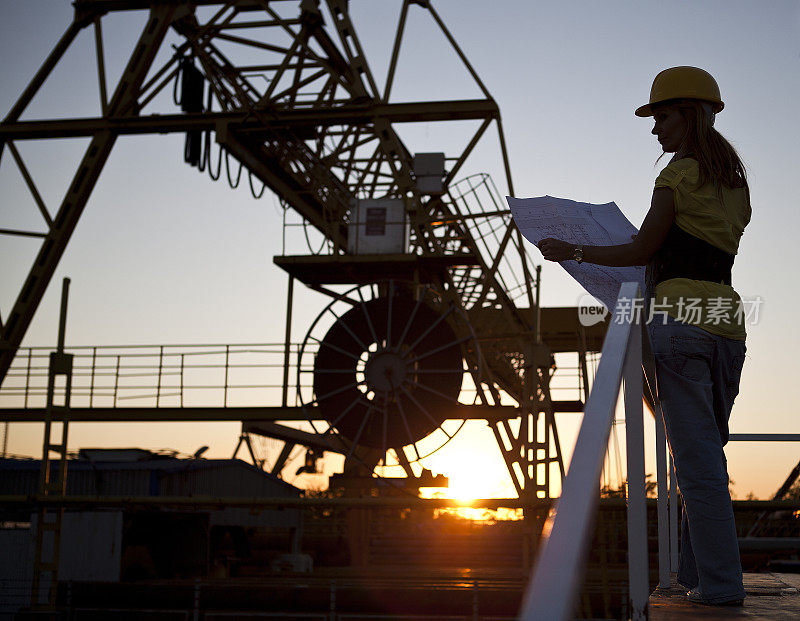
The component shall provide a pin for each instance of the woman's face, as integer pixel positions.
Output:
(670, 128)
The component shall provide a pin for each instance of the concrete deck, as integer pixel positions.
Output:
(769, 596)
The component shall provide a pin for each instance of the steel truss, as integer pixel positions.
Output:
(292, 98)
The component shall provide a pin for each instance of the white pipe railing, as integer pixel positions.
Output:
(552, 591)
(553, 588)
(667, 503)
(668, 508)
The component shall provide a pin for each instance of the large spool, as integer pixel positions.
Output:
(389, 371)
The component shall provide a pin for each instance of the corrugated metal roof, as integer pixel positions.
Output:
(151, 477)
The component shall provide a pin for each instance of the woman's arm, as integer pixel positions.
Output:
(638, 252)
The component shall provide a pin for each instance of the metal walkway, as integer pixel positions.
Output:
(769, 596)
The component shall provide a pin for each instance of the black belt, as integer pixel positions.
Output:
(682, 255)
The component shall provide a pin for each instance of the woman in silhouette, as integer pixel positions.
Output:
(688, 241)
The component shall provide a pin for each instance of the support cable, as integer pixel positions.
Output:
(207, 143)
(233, 184)
(255, 194)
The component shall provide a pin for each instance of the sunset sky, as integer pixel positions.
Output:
(164, 255)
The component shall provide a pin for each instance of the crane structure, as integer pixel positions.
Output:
(284, 88)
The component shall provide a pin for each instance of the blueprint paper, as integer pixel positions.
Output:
(580, 224)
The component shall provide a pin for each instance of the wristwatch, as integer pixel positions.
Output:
(577, 254)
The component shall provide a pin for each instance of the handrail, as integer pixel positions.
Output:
(156, 375)
(553, 587)
(208, 374)
(552, 590)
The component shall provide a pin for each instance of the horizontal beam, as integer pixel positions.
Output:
(212, 502)
(161, 414)
(566, 406)
(417, 112)
(268, 429)
(338, 269)
(560, 327)
(291, 186)
(105, 6)
(219, 414)
(195, 502)
(763, 544)
(764, 437)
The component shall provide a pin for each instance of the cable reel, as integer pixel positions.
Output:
(390, 369)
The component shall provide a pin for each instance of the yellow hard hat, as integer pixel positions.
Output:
(683, 83)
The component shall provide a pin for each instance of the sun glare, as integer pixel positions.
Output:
(469, 480)
(475, 470)
(473, 476)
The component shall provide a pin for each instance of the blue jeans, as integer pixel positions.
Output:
(697, 377)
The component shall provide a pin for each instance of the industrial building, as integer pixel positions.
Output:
(121, 543)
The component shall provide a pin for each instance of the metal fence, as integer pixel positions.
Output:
(152, 376)
(161, 375)
(553, 587)
(552, 590)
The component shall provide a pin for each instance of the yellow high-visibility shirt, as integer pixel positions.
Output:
(717, 215)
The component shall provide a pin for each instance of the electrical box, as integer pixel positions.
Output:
(429, 171)
(379, 226)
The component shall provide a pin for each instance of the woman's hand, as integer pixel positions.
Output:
(556, 250)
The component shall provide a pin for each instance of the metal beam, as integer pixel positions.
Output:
(286, 452)
(211, 502)
(80, 189)
(218, 414)
(368, 268)
(245, 122)
(105, 6)
(163, 414)
(194, 502)
(328, 442)
(44, 71)
(281, 182)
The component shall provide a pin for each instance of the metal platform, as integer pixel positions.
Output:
(230, 413)
(769, 596)
(561, 328)
(368, 268)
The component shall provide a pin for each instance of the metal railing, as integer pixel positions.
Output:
(552, 590)
(553, 587)
(160, 375)
(668, 519)
(174, 376)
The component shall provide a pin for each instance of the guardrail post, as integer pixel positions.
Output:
(196, 601)
(182, 356)
(663, 493)
(673, 517)
(639, 591)
(225, 390)
(552, 589)
(91, 382)
(160, 368)
(116, 382)
(28, 377)
(287, 345)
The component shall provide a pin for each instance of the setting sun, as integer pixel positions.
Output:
(470, 478)
(473, 468)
